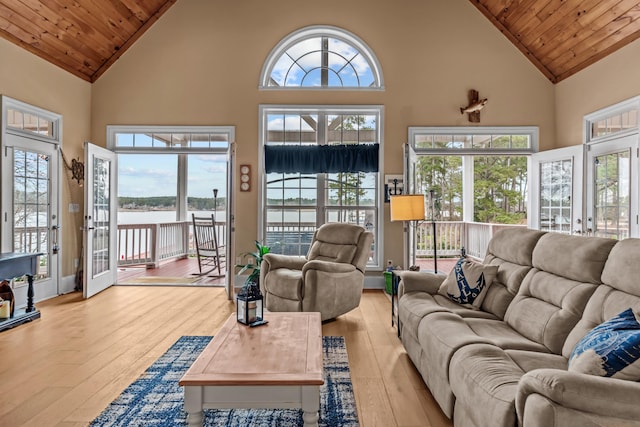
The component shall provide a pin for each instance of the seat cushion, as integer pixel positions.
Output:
(485, 380)
(285, 283)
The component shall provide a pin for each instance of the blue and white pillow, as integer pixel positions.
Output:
(468, 282)
(611, 349)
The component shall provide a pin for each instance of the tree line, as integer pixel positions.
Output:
(161, 202)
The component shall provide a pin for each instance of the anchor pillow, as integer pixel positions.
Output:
(468, 282)
(611, 349)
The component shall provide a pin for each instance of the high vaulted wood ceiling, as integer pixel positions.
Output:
(85, 37)
(562, 37)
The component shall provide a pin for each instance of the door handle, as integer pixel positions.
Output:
(55, 248)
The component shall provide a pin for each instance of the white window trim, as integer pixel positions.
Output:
(54, 118)
(113, 130)
(606, 112)
(265, 109)
(467, 153)
(318, 31)
(532, 131)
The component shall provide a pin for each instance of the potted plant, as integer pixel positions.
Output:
(253, 266)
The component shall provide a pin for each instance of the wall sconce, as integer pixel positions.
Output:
(393, 186)
(245, 178)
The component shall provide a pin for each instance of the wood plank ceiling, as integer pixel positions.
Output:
(562, 37)
(85, 37)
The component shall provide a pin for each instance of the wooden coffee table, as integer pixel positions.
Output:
(278, 365)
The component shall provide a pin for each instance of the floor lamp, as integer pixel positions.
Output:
(432, 207)
(409, 207)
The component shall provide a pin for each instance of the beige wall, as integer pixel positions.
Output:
(607, 82)
(27, 78)
(200, 65)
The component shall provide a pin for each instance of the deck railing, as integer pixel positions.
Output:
(452, 236)
(149, 244)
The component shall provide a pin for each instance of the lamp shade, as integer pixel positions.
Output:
(409, 207)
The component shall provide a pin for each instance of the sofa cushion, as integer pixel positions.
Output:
(611, 349)
(585, 256)
(619, 291)
(511, 250)
(412, 307)
(468, 282)
(484, 380)
(547, 308)
(553, 296)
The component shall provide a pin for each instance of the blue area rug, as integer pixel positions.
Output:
(156, 400)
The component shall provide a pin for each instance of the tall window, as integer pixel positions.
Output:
(476, 174)
(321, 165)
(320, 57)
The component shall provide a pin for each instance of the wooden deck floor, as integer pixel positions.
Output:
(62, 370)
(188, 267)
(184, 267)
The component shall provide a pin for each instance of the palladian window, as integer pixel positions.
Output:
(321, 57)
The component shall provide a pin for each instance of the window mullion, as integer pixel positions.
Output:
(321, 192)
(324, 73)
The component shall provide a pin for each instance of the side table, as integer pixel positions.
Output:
(395, 281)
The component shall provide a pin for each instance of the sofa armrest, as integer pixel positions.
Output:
(415, 281)
(274, 261)
(607, 397)
(328, 266)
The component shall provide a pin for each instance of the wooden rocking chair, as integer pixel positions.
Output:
(210, 255)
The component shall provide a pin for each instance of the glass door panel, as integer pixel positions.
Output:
(611, 195)
(612, 200)
(556, 190)
(100, 260)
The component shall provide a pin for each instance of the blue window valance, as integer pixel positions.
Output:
(321, 158)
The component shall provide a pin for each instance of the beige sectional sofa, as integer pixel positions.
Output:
(506, 364)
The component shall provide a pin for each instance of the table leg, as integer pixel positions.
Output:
(30, 306)
(193, 405)
(310, 405)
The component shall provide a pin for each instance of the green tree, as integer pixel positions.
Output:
(443, 175)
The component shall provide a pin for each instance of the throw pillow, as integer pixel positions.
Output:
(468, 282)
(611, 349)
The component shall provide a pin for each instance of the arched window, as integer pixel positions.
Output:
(321, 57)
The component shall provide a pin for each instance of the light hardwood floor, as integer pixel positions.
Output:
(63, 369)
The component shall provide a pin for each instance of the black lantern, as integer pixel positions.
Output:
(249, 305)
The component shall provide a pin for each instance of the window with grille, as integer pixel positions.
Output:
(296, 199)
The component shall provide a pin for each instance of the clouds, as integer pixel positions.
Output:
(301, 65)
(144, 175)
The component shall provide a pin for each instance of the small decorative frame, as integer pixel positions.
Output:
(245, 177)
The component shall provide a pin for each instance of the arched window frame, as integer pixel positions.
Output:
(321, 31)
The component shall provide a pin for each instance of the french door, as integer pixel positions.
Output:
(557, 190)
(410, 187)
(231, 227)
(612, 202)
(100, 220)
(31, 221)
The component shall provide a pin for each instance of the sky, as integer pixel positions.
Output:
(146, 175)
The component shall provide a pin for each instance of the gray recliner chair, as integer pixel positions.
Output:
(329, 279)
